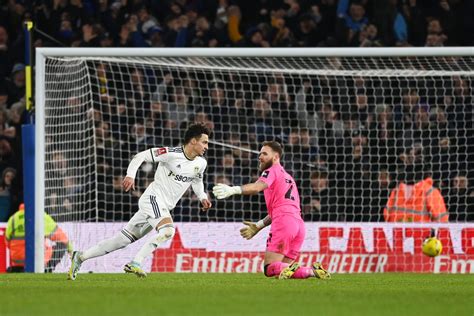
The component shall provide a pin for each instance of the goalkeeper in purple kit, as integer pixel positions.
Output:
(287, 230)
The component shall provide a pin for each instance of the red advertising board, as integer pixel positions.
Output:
(3, 249)
(361, 248)
(341, 247)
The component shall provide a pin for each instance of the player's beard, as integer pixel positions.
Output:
(265, 165)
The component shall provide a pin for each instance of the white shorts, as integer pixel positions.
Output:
(148, 216)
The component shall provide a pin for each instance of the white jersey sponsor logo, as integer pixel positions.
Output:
(174, 175)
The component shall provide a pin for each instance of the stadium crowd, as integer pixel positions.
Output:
(345, 141)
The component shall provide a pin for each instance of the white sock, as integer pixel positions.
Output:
(119, 241)
(165, 233)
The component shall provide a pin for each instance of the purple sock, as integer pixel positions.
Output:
(275, 268)
(303, 273)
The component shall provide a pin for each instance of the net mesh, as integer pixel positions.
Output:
(348, 126)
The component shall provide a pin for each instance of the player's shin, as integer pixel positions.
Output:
(275, 268)
(119, 241)
(165, 232)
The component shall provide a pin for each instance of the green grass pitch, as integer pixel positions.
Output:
(236, 294)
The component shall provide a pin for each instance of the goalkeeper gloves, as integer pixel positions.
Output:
(251, 229)
(222, 191)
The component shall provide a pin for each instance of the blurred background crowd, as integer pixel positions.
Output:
(345, 139)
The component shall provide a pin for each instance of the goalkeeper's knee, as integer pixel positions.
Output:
(165, 232)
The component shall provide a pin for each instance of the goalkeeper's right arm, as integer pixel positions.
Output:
(222, 191)
(252, 229)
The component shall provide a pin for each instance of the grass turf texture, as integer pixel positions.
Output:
(236, 294)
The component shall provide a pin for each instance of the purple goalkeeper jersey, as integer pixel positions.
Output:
(282, 195)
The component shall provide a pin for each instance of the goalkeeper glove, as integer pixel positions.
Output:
(251, 230)
(222, 191)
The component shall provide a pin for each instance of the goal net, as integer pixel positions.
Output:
(353, 128)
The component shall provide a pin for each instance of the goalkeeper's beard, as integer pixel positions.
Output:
(265, 165)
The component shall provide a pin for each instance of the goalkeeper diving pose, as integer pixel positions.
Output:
(178, 168)
(287, 230)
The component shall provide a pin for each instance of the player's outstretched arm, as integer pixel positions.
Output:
(222, 191)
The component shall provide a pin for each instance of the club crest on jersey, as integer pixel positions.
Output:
(196, 172)
(265, 174)
(160, 151)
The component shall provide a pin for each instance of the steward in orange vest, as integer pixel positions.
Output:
(56, 242)
(420, 202)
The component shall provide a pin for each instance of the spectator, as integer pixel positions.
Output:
(203, 34)
(139, 139)
(301, 151)
(8, 158)
(6, 56)
(254, 38)
(282, 34)
(350, 22)
(66, 33)
(264, 119)
(460, 199)
(434, 28)
(380, 191)
(6, 194)
(3, 95)
(308, 34)
(281, 104)
(155, 37)
(233, 23)
(90, 35)
(118, 205)
(15, 237)
(356, 177)
(227, 166)
(391, 22)
(146, 21)
(218, 108)
(113, 18)
(16, 84)
(321, 202)
(368, 37)
(106, 40)
(178, 107)
(382, 138)
(415, 199)
(157, 120)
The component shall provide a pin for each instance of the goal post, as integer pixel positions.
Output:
(342, 115)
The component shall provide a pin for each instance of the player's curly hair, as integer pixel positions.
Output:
(195, 131)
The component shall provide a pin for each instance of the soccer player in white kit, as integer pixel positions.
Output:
(178, 168)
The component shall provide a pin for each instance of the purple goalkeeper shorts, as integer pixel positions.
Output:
(286, 236)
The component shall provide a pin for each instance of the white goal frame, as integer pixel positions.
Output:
(43, 53)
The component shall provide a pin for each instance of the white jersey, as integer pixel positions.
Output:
(174, 175)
